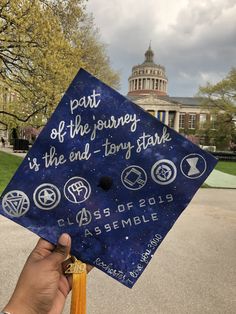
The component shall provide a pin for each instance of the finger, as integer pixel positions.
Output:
(42, 249)
(61, 250)
(89, 268)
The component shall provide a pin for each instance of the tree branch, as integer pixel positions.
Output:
(23, 119)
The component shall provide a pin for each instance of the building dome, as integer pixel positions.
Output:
(149, 54)
(148, 77)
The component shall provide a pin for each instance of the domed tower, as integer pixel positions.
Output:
(148, 78)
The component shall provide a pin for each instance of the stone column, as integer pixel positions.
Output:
(176, 122)
(167, 117)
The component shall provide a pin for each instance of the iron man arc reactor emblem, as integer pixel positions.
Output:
(15, 203)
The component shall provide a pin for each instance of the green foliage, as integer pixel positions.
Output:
(224, 133)
(206, 134)
(221, 96)
(43, 43)
(220, 100)
(190, 131)
(221, 134)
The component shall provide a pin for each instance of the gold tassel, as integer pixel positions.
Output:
(78, 298)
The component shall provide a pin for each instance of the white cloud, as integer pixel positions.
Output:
(211, 77)
(190, 37)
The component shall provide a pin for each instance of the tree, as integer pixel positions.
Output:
(41, 49)
(97, 63)
(220, 100)
(33, 58)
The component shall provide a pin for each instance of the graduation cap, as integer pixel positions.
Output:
(109, 174)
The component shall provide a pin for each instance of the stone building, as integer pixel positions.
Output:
(148, 85)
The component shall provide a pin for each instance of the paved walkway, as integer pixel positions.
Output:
(219, 179)
(9, 150)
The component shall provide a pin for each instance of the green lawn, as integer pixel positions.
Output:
(227, 167)
(8, 165)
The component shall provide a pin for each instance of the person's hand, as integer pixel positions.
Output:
(42, 287)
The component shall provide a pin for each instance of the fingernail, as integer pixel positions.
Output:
(64, 239)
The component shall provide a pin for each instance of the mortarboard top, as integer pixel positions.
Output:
(109, 174)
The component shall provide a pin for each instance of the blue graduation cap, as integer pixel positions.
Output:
(109, 174)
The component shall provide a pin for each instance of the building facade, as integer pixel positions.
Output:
(148, 85)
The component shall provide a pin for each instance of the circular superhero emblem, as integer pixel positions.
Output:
(47, 196)
(134, 177)
(193, 166)
(164, 171)
(77, 190)
(15, 203)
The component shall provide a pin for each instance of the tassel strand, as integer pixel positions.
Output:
(78, 299)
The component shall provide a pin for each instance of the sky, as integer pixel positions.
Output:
(195, 40)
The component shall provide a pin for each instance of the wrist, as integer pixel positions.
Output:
(17, 308)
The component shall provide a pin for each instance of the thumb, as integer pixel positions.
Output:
(61, 250)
